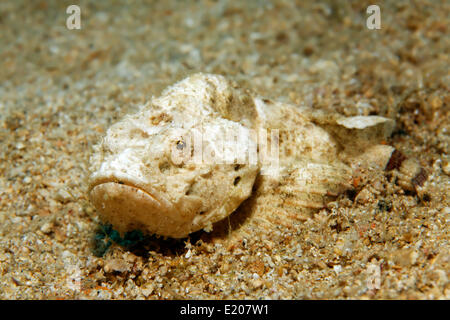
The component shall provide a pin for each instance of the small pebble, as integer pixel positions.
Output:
(63, 196)
(257, 283)
(20, 146)
(47, 227)
(446, 167)
(337, 268)
(118, 265)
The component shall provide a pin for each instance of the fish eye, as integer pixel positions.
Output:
(181, 144)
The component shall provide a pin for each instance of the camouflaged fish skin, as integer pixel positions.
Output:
(148, 174)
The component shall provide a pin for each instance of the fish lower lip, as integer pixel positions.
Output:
(127, 207)
(131, 181)
(126, 186)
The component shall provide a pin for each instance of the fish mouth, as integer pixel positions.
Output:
(128, 204)
(125, 182)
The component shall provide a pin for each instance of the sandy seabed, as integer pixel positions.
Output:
(60, 90)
